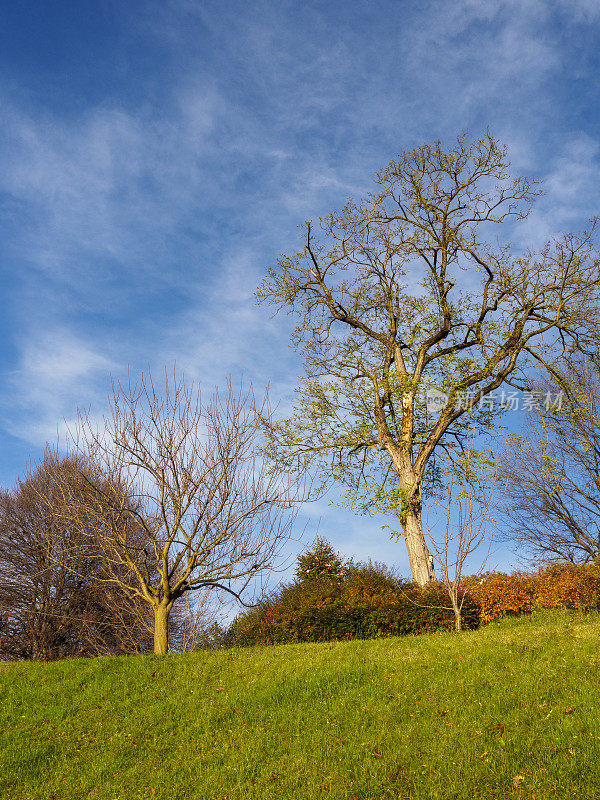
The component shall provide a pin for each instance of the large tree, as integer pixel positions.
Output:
(409, 290)
(185, 473)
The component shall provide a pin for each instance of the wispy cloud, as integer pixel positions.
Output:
(572, 192)
(57, 374)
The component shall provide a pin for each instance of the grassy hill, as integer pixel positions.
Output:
(508, 711)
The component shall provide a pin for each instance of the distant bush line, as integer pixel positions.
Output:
(367, 601)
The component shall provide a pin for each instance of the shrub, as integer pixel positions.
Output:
(370, 584)
(555, 586)
(320, 562)
(498, 595)
(257, 626)
(368, 602)
(568, 586)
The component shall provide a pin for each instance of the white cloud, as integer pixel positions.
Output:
(572, 186)
(57, 374)
(102, 190)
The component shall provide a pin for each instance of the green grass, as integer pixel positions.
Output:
(509, 711)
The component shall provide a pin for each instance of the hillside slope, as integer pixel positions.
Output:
(510, 710)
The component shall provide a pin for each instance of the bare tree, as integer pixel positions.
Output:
(464, 507)
(552, 470)
(53, 603)
(189, 478)
(402, 293)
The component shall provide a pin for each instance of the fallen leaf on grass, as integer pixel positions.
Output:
(517, 780)
(376, 755)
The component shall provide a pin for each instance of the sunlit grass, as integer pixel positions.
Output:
(510, 710)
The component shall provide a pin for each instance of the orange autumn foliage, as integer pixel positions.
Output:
(556, 586)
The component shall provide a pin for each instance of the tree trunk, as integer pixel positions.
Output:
(161, 629)
(419, 557)
(457, 613)
(458, 621)
(421, 562)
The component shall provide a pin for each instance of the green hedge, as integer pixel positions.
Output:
(368, 602)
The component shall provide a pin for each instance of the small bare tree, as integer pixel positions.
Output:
(187, 475)
(465, 505)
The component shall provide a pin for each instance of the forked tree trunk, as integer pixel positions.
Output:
(161, 629)
(419, 557)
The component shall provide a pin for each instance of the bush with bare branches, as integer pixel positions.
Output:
(54, 600)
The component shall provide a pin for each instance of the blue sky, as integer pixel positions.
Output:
(155, 158)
